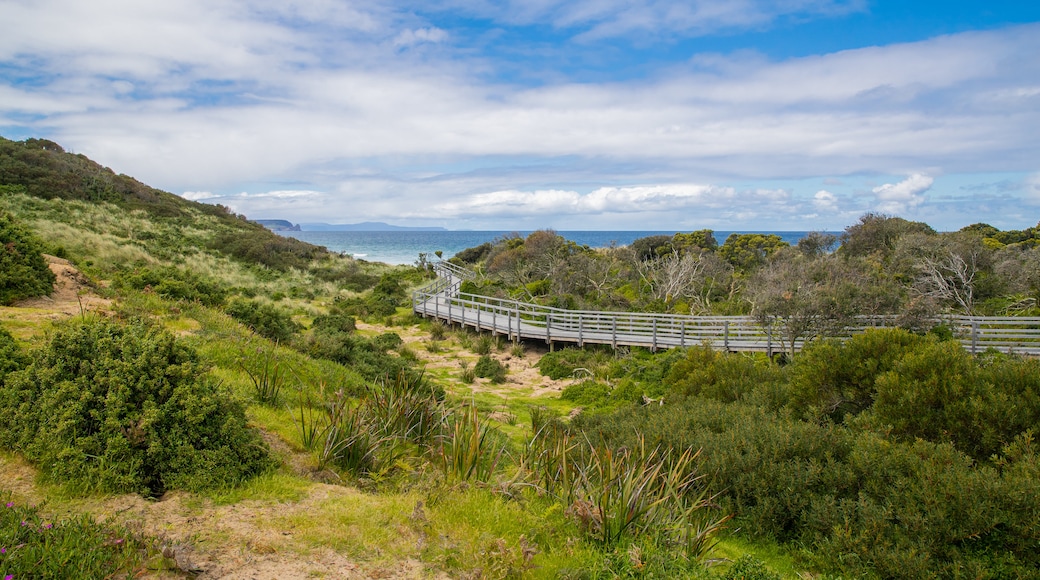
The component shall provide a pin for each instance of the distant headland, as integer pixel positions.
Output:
(287, 226)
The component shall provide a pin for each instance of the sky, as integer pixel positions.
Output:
(567, 114)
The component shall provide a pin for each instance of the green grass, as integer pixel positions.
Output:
(778, 559)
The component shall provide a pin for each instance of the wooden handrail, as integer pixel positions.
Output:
(444, 300)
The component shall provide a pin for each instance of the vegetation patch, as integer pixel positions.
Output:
(126, 408)
(23, 271)
(32, 546)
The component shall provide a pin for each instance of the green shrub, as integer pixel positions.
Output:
(126, 408)
(721, 376)
(264, 319)
(489, 368)
(835, 378)
(11, 356)
(748, 567)
(257, 245)
(861, 504)
(484, 344)
(23, 271)
(587, 393)
(174, 283)
(563, 363)
(940, 393)
(333, 338)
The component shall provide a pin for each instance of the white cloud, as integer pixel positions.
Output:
(199, 195)
(671, 201)
(195, 96)
(898, 198)
(420, 35)
(1032, 186)
(614, 18)
(825, 201)
(282, 194)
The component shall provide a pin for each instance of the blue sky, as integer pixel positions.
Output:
(517, 115)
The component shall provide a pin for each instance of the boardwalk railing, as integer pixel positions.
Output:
(517, 320)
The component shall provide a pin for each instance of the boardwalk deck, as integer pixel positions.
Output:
(521, 320)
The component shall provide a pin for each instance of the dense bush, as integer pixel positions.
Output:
(258, 245)
(332, 337)
(587, 393)
(489, 368)
(11, 357)
(834, 378)
(174, 283)
(472, 255)
(23, 271)
(939, 392)
(382, 300)
(126, 408)
(864, 505)
(265, 319)
(724, 377)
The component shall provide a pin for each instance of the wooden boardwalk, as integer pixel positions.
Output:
(525, 321)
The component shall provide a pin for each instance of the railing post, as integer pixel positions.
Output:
(653, 342)
(548, 324)
(682, 337)
(613, 331)
(974, 336)
(725, 336)
(581, 339)
(769, 339)
(517, 339)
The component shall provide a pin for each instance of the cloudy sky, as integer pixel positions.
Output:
(523, 114)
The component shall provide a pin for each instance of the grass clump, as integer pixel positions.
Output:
(126, 408)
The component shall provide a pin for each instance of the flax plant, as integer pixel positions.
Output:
(267, 376)
(405, 407)
(467, 451)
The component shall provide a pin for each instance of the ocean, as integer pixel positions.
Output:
(404, 247)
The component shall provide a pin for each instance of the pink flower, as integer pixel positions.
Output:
(10, 504)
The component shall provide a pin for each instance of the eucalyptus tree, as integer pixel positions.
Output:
(952, 269)
(804, 297)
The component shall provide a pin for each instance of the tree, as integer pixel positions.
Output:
(687, 276)
(876, 235)
(805, 298)
(749, 251)
(817, 244)
(695, 242)
(950, 268)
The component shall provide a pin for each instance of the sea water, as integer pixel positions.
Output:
(404, 247)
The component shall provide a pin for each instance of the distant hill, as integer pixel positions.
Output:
(43, 169)
(365, 227)
(279, 225)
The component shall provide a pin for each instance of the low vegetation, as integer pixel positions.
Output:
(231, 364)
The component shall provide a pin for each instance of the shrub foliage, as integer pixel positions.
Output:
(126, 408)
(23, 271)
